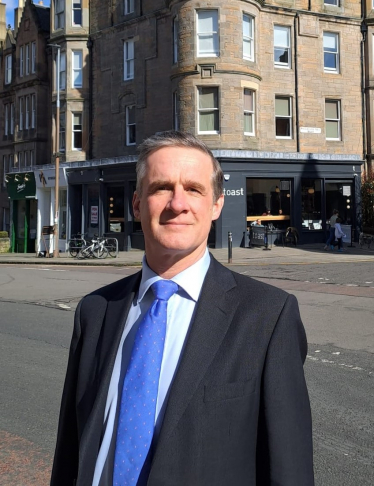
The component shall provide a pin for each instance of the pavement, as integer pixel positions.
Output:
(301, 255)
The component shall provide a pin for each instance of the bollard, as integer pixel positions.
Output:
(230, 247)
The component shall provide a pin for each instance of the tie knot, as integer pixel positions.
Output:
(164, 289)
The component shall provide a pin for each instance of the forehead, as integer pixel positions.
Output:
(179, 162)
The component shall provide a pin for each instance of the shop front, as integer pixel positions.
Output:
(22, 194)
(45, 192)
(282, 194)
(100, 203)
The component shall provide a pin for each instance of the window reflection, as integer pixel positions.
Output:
(311, 198)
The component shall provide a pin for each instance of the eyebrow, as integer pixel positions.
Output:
(169, 184)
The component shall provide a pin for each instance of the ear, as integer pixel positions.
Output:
(217, 207)
(136, 205)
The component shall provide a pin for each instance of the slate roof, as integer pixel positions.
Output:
(43, 14)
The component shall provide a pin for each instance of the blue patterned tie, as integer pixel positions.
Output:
(140, 388)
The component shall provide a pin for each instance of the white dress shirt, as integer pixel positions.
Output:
(180, 310)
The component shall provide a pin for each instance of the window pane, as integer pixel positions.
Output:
(281, 55)
(208, 44)
(332, 129)
(209, 121)
(282, 127)
(78, 140)
(208, 98)
(247, 26)
(248, 122)
(207, 21)
(281, 36)
(77, 60)
(77, 122)
(248, 100)
(131, 114)
(332, 109)
(282, 107)
(329, 60)
(330, 41)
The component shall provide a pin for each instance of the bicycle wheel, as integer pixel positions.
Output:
(112, 250)
(100, 252)
(73, 249)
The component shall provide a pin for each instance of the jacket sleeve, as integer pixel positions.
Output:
(285, 450)
(65, 464)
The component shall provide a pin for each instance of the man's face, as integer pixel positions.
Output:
(176, 206)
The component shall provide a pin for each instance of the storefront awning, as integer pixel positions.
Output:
(21, 185)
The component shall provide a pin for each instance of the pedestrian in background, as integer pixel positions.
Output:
(338, 234)
(331, 238)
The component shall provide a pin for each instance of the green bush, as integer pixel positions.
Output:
(367, 199)
(4, 234)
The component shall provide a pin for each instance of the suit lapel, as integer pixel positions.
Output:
(115, 318)
(213, 317)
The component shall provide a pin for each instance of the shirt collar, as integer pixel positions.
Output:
(190, 280)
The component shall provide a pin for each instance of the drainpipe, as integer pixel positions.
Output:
(364, 30)
(90, 96)
(295, 25)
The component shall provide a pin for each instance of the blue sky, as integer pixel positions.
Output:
(12, 4)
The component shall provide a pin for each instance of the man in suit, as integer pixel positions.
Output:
(231, 406)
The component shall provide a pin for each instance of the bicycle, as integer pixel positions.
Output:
(95, 249)
(76, 243)
(111, 244)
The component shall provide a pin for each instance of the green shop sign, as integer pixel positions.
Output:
(21, 185)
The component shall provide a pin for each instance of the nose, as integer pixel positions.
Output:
(178, 201)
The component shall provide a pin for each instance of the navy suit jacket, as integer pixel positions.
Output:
(238, 410)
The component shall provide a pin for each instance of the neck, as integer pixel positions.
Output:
(167, 265)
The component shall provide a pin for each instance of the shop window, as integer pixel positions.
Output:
(115, 209)
(311, 203)
(270, 201)
(208, 110)
(93, 209)
(339, 195)
(207, 33)
(63, 212)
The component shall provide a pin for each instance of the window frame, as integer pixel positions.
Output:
(289, 117)
(337, 120)
(175, 40)
(77, 113)
(27, 112)
(8, 69)
(6, 119)
(33, 111)
(128, 7)
(252, 113)
(11, 126)
(21, 61)
(33, 57)
(59, 11)
(20, 127)
(176, 110)
(249, 40)
(74, 69)
(129, 125)
(62, 133)
(76, 9)
(62, 73)
(336, 54)
(278, 64)
(214, 35)
(213, 109)
(128, 61)
(27, 59)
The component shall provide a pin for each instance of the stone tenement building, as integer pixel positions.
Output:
(273, 88)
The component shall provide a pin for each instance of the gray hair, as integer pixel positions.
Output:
(174, 138)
